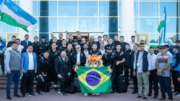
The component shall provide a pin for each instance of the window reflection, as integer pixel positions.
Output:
(67, 8)
(47, 8)
(34, 8)
(47, 24)
(108, 8)
(135, 8)
(88, 24)
(171, 36)
(107, 24)
(148, 24)
(171, 8)
(7, 28)
(88, 8)
(154, 38)
(136, 25)
(67, 24)
(172, 25)
(148, 8)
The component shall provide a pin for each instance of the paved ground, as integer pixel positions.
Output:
(54, 96)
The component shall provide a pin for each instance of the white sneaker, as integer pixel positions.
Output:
(85, 94)
(128, 88)
(59, 91)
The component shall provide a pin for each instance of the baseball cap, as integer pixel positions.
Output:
(162, 47)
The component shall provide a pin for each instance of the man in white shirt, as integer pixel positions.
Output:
(153, 78)
(86, 52)
(133, 42)
(146, 46)
(105, 40)
(102, 50)
(20, 47)
(141, 68)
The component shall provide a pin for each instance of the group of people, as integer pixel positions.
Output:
(50, 62)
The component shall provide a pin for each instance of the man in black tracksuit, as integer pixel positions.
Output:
(53, 54)
(119, 58)
(128, 62)
(69, 54)
(41, 75)
(43, 45)
(108, 59)
(54, 40)
(94, 50)
(36, 45)
(63, 47)
(63, 71)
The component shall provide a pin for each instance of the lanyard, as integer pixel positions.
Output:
(141, 56)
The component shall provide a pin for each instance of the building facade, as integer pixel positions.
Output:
(101, 15)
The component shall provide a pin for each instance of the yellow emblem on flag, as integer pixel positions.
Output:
(93, 78)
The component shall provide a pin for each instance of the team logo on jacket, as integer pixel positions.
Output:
(81, 54)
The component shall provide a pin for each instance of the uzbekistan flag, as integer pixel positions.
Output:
(162, 28)
(94, 79)
(15, 16)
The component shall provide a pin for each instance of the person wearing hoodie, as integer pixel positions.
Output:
(170, 46)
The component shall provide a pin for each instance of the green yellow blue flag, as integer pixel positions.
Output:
(94, 79)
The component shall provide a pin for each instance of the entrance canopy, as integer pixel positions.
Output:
(85, 34)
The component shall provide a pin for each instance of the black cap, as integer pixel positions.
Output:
(162, 47)
(109, 48)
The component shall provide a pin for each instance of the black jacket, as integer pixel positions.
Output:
(69, 54)
(128, 58)
(144, 59)
(50, 46)
(82, 58)
(36, 48)
(44, 46)
(42, 65)
(9, 44)
(52, 57)
(109, 59)
(61, 48)
(110, 45)
(91, 52)
(123, 46)
(61, 66)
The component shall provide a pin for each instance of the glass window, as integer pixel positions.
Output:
(88, 8)
(135, 8)
(46, 35)
(136, 25)
(88, 24)
(154, 38)
(35, 8)
(3, 37)
(119, 22)
(148, 8)
(148, 25)
(119, 8)
(108, 8)
(67, 8)
(171, 8)
(67, 24)
(47, 8)
(171, 36)
(47, 24)
(35, 26)
(108, 24)
(172, 25)
(7, 28)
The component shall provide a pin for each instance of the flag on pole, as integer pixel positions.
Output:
(1, 6)
(15, 16)
(162, 29)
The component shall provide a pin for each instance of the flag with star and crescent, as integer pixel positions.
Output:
(94, 79)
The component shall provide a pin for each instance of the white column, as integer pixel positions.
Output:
(127, 19)
(26, 5)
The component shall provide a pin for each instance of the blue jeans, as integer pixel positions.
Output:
(16, 76)
(165, 82)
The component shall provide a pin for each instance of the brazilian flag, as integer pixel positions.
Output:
(94, 79)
